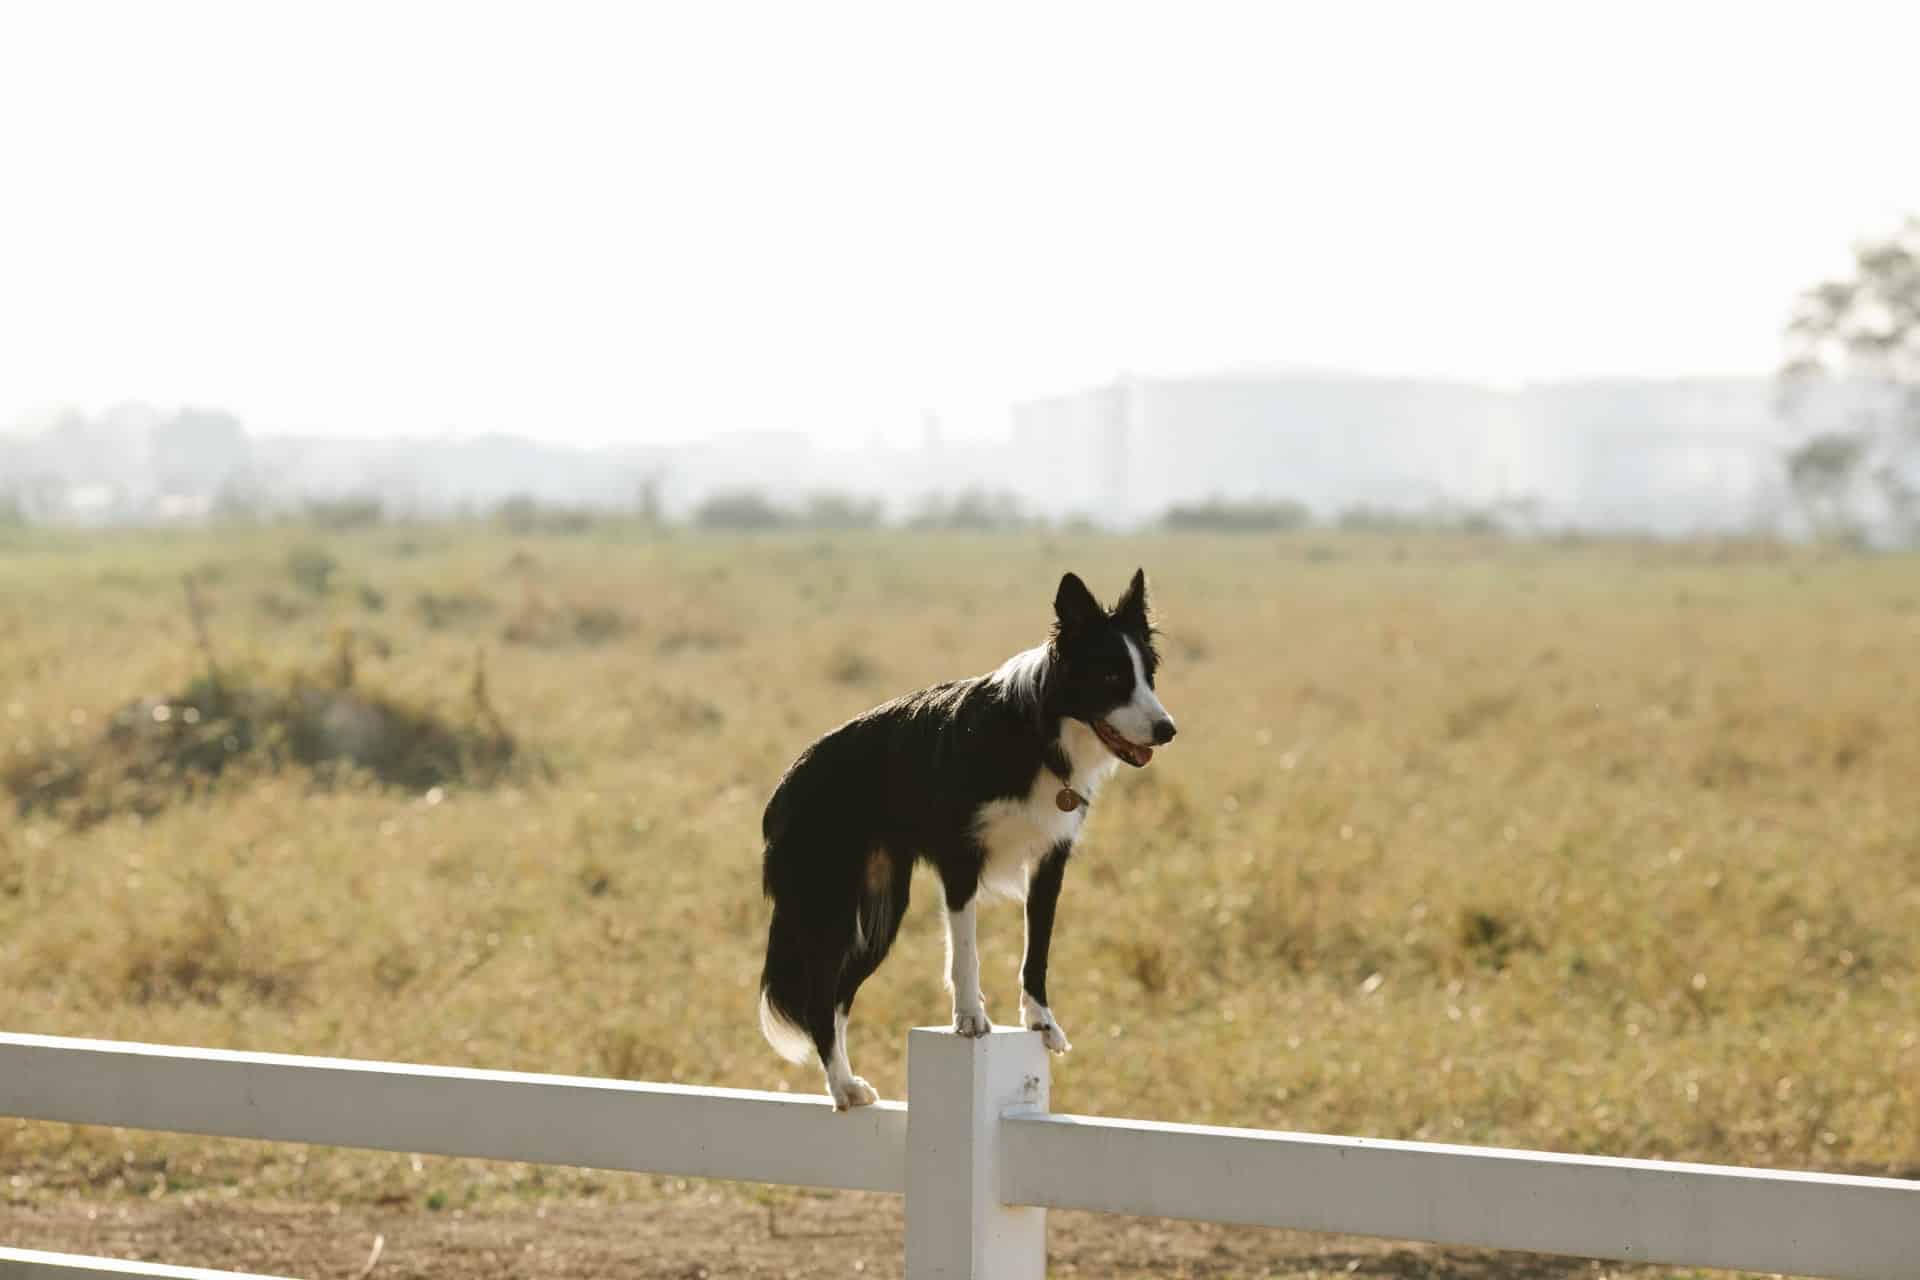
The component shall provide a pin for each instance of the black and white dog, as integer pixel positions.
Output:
(989, 779)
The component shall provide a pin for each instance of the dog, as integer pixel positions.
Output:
(990, 780)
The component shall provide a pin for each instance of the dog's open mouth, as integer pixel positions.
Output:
(1134, 755)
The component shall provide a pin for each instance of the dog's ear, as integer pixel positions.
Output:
(1132, 609)
(1074, 606)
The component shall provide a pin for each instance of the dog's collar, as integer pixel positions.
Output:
(1058, 765)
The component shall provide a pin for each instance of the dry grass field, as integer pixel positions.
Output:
(1604, 847)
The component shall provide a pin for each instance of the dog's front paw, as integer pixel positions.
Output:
(852, 1092)
(972, 1023)
(1037, 1017)
(1052, 1036)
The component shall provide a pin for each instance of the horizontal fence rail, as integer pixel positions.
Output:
(1589, 1206)
(32, 1264)
(453, 1111)
(979, 1161)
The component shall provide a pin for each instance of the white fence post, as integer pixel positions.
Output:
(957, 1090)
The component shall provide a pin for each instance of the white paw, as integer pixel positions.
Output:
(1052, 1036)
(851, 1092)
(1037, 1017)
(972, 1023)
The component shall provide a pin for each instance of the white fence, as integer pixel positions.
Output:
(978, 1160)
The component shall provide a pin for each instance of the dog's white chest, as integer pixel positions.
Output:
(1017, 832)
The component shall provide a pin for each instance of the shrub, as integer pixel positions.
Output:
(159, 750)
(740, 511)
(974, 511)
(311, 568)
(1239, 515)
(356, 511)
(523, 515)
(841, 511)
(1489, 520)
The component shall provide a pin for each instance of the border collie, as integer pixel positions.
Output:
(988, 779)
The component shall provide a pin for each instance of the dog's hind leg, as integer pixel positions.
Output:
(848, 1089)
(880, 906)
(963, 955)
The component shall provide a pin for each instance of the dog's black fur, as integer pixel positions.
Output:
(918, 778)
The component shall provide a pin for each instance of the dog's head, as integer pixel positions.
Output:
(1103, 664)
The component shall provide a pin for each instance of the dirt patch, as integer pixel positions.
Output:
(703, 1234)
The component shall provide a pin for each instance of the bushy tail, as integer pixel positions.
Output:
(785, 992)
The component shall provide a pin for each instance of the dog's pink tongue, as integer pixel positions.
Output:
(1146, 754)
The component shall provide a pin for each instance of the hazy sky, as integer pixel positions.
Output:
(646, 221)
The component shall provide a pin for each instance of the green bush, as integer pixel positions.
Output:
(974, 511)
(356, 511)
(841, 511)
(1239, 515)
(311, 568)
(524, 515)
(740, 511)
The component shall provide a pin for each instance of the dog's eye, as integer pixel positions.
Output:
(1116, 677)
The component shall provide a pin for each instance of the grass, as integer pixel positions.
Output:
(1605, 848)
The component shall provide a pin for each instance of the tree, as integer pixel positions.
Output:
(1824, 473)
(1853, 367)
(197, 451)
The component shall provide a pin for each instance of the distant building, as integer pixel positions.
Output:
(1675, 455)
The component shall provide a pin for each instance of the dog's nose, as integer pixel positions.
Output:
(1163, 732)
